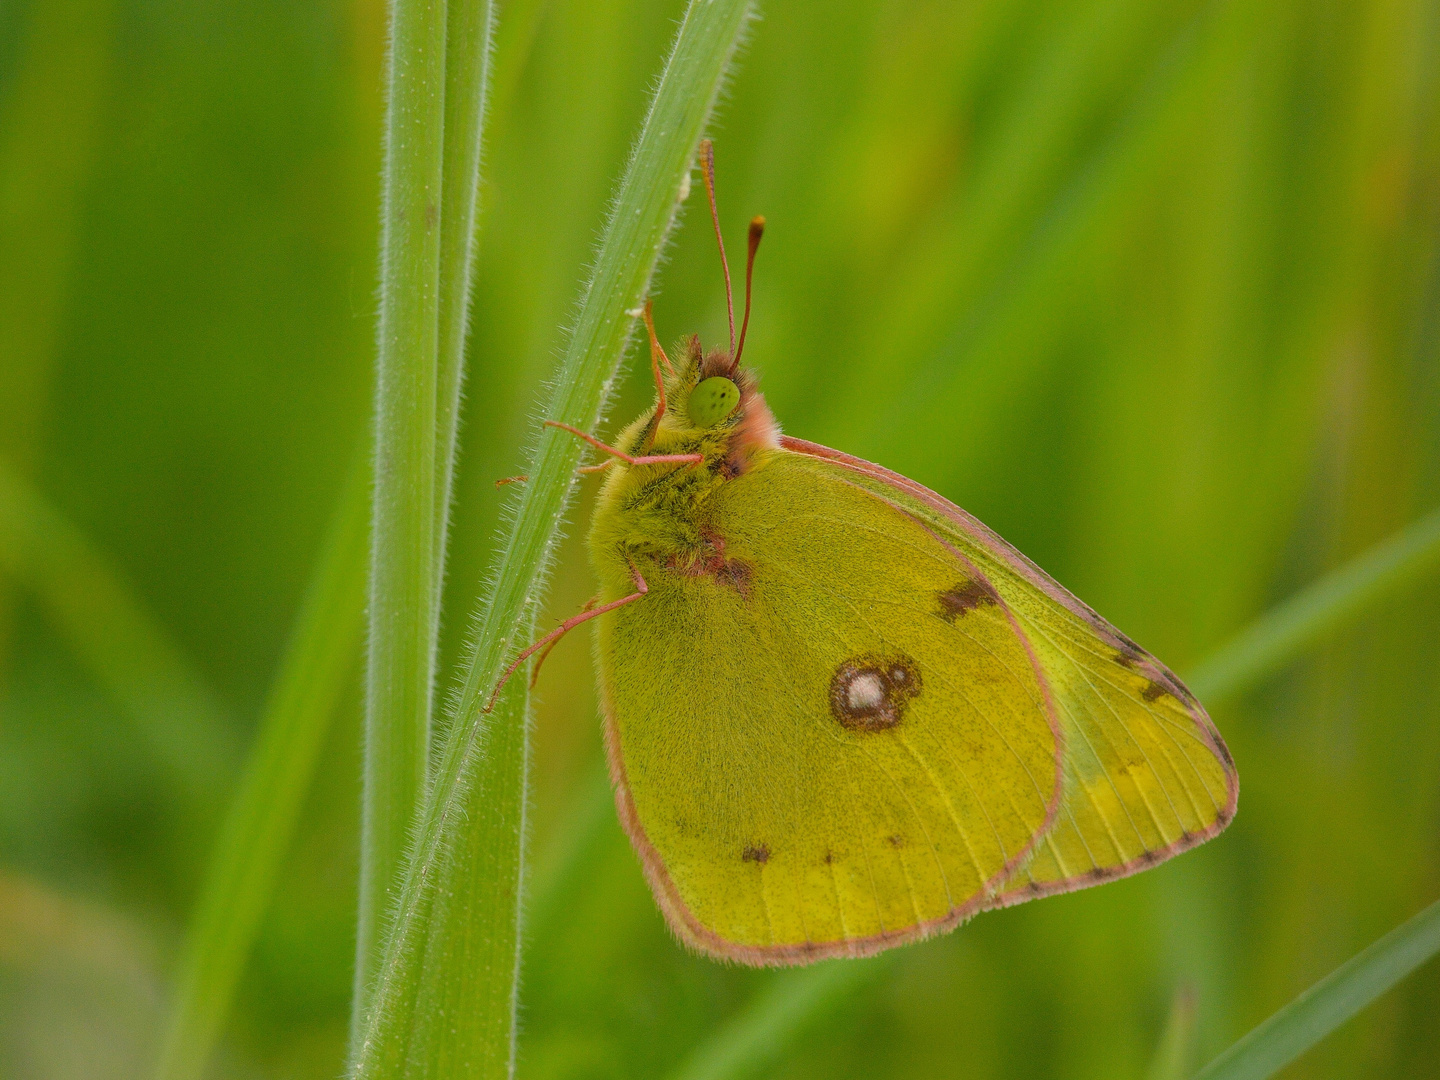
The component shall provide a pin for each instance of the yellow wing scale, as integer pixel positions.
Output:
(779, 820)
(1036, 749)
(1146, 774)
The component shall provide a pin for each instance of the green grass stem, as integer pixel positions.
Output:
(453, 951)
(468, 54)
(404, 581)
(323, 647)
(1330, 1002)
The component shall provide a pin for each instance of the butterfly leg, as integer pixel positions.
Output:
(641, 588)
(651, 459)
(539, 660)
(523, 479)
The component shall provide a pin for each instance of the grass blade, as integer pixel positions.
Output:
(460, 897)
(267, 806)
(763, 1031)
(404, 594)
(1330, 1002)
(1294, 626)
(50, 128)
(1176, 1051)
(116, 637)
(468, 52)
(780, 1011)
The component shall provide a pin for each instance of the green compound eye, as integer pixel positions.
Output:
(712, 401)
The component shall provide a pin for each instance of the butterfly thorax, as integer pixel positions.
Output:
(662, 514)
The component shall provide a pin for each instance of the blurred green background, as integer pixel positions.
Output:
(1152, 288)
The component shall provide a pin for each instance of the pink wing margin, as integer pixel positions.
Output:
(1141, 661)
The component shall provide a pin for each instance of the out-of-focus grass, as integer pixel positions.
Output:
(1330, 1002)
(1151, 289)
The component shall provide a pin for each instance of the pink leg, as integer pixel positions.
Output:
(641, 588)
(535, 671)
(651, 459)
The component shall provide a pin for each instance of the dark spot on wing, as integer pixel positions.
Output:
(1153, 691)
(829, 858)
(756, 853)
(707, 559)
(1149, 858)
(966, 596)
(871, 693)
(737, 574)
(897, 841)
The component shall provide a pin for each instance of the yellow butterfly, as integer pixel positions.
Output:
(841, 713)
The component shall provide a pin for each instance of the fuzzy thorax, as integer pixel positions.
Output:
(662, 509)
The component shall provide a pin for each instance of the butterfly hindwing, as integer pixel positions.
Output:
(1146, 773)
(828, 729)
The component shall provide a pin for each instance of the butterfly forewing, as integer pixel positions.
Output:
(823, 748)
(1146, 775)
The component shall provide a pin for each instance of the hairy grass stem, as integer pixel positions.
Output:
(404, 594)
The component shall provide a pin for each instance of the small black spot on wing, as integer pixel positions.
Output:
(756, 853)
(1128, 649)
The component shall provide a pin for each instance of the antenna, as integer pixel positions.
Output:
(757, 230)
(707, 169)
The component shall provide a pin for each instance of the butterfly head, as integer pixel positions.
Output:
(707, 402)
(712, 405)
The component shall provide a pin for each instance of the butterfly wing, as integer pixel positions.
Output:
(827, 730)
(1146, 775)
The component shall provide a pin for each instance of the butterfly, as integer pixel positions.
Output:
(840, 713)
